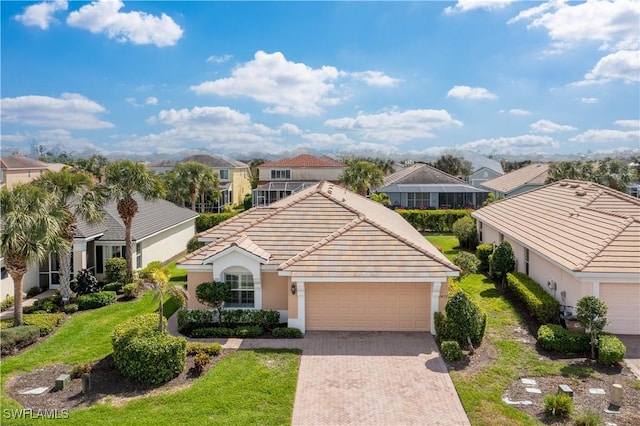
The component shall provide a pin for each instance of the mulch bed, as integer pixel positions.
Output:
(106, 382)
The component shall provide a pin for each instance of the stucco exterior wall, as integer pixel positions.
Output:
(292, 302)
(195, 278)
(13, 177)
(303, 173)
(275, 291)
(490, 235)
(31, 279)
(167, 244)
(240, 185)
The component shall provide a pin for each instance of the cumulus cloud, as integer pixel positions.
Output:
(548, 126)
(622, 65)
(467, 5)
(69, 111)
(589, 100)
(466, 92)
(151, 100)
(41, 14)
(395, 126)
(524, 144)
(628, 123)
(213, 59)
(613, 24)
(607, 136)
(516, 111)
(376, 78)
(291, 129)
(103, 16)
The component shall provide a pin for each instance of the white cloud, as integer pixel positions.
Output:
(467, 5)
(601, 136)
(41, 14)
(213, 59)
(395, 126)
(622, 65)
(51, 139)
(291, 129)
(466, 92)
(103, 16)
(151, 100)
(376, 78)
(516, 111)
(325, 140)
(628, 123)
(290, 87)
(548, 126)
(613, 24)
(69, 111)
(512, 145)
(15, 137)
(589, 100)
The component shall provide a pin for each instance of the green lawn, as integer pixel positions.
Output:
(447, 242)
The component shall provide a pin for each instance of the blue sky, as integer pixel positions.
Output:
(409, 78)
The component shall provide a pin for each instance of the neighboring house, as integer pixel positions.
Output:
(421, 186)
(576, 239)
(482, 175)
(160, 231)
(518, 181)
(281, 178)
(234, 177)
(18, 169)
(326, 259)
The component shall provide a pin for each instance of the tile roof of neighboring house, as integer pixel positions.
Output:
(20, 162)
(583, 226)
(302, 161)
(533, 174)
(327, 231)
(214, 161)
(152, 217)
(420, 174)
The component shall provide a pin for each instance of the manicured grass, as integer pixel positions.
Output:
(481, 390)
(449, 243)
(245, 388)
(177, 275)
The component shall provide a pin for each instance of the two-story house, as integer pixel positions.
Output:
(16, 169)
(281, 178)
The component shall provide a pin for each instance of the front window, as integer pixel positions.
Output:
(224, 174)
(417, 200)
(138, 255)
(242, 291)
(280, 174)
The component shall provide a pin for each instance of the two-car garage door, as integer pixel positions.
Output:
(368, 306)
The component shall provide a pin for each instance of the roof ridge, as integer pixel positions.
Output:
(604, 244)
(321, 243)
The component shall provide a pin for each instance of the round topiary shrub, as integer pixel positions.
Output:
(611, 350)
(450, 350)
(286, 333)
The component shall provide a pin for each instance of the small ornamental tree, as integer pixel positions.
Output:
(465, 229)
(502, 261)
(592, 315)
(467, 262)
(466, 320)
(214, 294)
(155, 277)
(85, 283)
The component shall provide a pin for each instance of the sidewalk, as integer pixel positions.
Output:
(27, 302)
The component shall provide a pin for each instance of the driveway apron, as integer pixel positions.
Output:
(374, 378)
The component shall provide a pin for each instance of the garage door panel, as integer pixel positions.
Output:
(368, 306)
(623, 301)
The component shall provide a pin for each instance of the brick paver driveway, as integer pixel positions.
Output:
(374, 378)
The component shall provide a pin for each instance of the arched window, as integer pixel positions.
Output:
(242, 289)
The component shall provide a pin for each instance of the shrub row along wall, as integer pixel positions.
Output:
(553, 337)
(433, 220)
(539, 303)
(209, 220)
(192, 319)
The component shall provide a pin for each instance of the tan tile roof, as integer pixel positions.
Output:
(20, 162)
(303, 160)
(242, 241)
(307, 232)
(533, 174)
(582, 226)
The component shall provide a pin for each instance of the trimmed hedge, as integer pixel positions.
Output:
(70, 308)
(539, 303)
(553, 337)
(117, 287)
(96, 300)
(44, 321)
(442, 327)
(15, 338)
(141, 325)
(610, 349)
(286, 333)
(213, 349)
(450, 350)
(433, 220)
(209, 220)
(191, 319)
(212, 332)
(248, 331)
(483, 251)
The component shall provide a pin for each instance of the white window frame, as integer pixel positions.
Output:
(280, 174)
(241, 282)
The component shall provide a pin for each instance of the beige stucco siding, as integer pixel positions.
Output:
(490, 235)
(365, 306)
(623, 301)
(292, 301)
(275, 290)
(195, 278)
(167, 244)
(14, 177)
(240, 185)
(304, 173)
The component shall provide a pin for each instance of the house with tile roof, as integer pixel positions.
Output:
(482, 175)
(518, 181)
(234, 177)
(281, 178)
(16, 169)
(576, 239)
(326, 259)
(421, 186)
(160, 231)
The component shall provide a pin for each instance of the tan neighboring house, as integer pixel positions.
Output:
(518, 181)
(281, 178)
(16, 169)
(576, 239)
(326, 259)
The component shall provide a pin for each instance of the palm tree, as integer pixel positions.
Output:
(614, 173)
(155, 277)
(123, 179)
(32, 224)
(361, 176)
(198, 178)
(94, 165)
(78, 198)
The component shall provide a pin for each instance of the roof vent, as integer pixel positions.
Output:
(563, 184)
(581, 192)
(574, 185)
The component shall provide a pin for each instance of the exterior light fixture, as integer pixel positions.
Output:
(293, 288)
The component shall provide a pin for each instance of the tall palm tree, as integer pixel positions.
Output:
(155, 277)
(361, 176)
(32, 224)
(123, 179)
(78, 198)
(198, 178)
